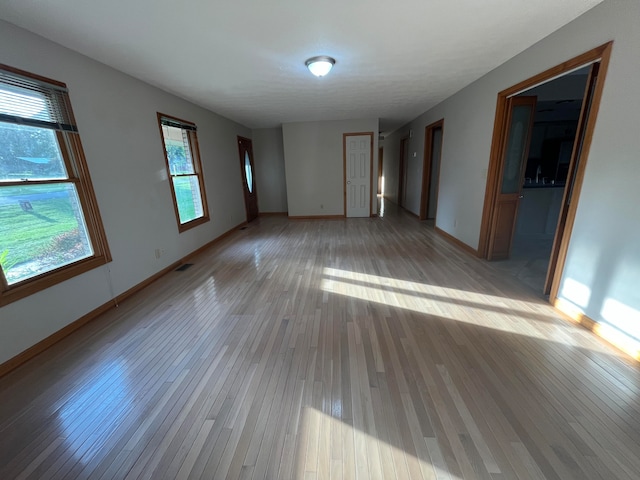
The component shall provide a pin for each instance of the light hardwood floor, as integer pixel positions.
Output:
(363, 348)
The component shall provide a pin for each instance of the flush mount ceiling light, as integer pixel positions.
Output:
(320, 65)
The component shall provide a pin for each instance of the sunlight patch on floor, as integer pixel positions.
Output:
(488, 311)
(421, 287)
(327, 447)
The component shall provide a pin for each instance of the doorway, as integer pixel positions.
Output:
(245, 150)
(380, 172)
(402, 173)
(358, 173)
(431, 169)
(558, 167)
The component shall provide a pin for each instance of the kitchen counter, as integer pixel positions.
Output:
(544, 185)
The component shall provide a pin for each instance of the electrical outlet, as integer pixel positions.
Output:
(455, 223)
(321, 206)
(158, 252)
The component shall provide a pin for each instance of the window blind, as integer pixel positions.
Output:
(172, 122)
(33, 102)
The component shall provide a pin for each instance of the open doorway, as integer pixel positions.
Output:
(541, 139)
(402, 177)
(431, 170)
(380, 172)
(555, 120)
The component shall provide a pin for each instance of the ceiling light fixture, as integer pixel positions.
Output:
(320, 65)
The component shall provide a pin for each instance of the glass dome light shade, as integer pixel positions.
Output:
(320, 66)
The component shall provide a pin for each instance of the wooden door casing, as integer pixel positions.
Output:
(576, 153)
(428, 182)
(402, 170)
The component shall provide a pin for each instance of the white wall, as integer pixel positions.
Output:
(268, 152)
(314, 164)
(116, 116)
(602, 273)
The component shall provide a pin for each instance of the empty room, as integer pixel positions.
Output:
(264, 240)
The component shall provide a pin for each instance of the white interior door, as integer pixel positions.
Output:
(358, 175)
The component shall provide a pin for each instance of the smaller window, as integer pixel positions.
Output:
(182, 158)
(248, 172)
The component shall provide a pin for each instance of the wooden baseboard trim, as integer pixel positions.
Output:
(274, 214)
(458, 243)
(406, 210)
(610, 335)
(57, 336)
(213, 242)
(316, 217)
(145, 283)
(52, 339)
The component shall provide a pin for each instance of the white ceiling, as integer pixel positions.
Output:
(245, 59)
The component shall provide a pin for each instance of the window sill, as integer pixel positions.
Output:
(183, 227)
(49, 279)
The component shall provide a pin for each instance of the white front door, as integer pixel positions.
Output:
(358, 175)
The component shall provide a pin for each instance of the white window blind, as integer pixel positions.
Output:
(29, 101)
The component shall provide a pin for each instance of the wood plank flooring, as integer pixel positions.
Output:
(360, 348)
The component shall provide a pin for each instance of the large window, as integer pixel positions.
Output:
(185, 171)
(50, 228)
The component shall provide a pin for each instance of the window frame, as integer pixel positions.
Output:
(75, 162)
(194, 151)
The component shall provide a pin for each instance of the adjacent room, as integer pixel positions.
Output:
(270, 241)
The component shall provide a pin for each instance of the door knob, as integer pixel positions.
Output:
(348, 182)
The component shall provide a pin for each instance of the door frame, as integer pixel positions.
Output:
(402, 168)
(344, 168)
(601, 54)
(380, 170)
(245, 189)
(574, 163)
(426, 167)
